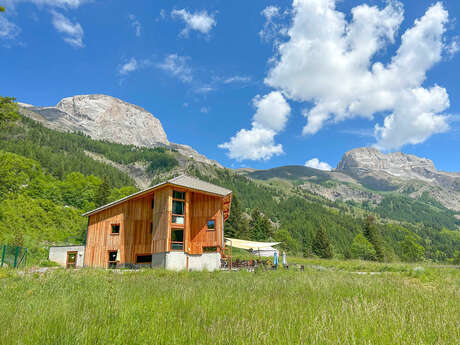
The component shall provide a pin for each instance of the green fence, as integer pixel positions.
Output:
(13, 256)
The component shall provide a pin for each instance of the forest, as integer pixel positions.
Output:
(47, 181)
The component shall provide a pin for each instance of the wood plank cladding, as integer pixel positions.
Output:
(161, 219)
(144, 230)
(203, 208)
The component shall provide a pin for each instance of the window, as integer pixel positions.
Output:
(209, 249)
(178, 220)
(177, 239)
(144, 259)
(151, 227)
(211, 224)
(178, 207)
(153, 203)
(115, 229)
(113, 259)
(178, 195)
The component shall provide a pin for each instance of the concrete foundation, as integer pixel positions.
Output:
(177, 261)
(59, 254)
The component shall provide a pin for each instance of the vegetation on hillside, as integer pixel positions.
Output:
(47, 181)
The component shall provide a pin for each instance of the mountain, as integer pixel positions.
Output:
(51, 176)
(368, 175)
(108, 118)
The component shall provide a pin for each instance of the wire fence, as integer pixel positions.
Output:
(13, 256)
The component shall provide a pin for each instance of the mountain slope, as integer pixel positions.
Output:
(108, 118)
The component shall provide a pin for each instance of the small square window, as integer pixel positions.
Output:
(178, 195)
(115, 229)
(211, 224)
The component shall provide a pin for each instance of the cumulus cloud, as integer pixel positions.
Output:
(136, 24)
(329, 62)
(258, 143)
(128, 67)
(8, 30)
(177, 66)
(316, 164)
(198, 21)
(73, 32)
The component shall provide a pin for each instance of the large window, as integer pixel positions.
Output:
(178, 208)
(177, 239)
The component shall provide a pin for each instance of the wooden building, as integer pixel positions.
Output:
(177, 224)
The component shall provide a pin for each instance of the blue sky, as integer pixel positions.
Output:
(279, 82)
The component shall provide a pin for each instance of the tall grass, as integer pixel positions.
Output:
(282, 307)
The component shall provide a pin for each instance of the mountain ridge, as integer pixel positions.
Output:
(104, 117)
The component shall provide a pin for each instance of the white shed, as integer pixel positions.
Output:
(67, 256)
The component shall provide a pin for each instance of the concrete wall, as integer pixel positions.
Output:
(158, 260)
(205, 261)
(177, 261)
(59, 254)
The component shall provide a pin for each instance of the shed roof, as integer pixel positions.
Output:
(181, 181)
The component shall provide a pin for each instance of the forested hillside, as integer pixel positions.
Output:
(47, 180)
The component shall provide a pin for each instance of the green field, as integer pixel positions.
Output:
(328, 303)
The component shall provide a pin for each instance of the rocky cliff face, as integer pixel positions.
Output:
(108, 118)
(371, 163)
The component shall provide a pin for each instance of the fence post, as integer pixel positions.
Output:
(3, 255)
(16, 257)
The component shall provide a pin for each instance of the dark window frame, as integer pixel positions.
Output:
(143, 255)
(112, 229)
(207, 225)
(112, 263)
(177, 242)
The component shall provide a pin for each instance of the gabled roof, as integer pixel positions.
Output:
(180, 181)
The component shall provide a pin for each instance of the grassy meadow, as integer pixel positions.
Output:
(328, 303)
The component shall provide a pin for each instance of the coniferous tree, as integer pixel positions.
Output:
(237, 224)
(103, 193)
(261, 229)
(372, 233)
(321, 245)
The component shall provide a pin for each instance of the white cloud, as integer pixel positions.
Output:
(272, 111)
(258, 143)
(73, 31)
(176, 65)
(57, 3)
(136, 24)
(316, 164)
(271, 28)
(198, 21)
(237, 79)
(204, 110)
(8, 30)
(453, 47)
(128, 67)
(253, 144)
(328, 61)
